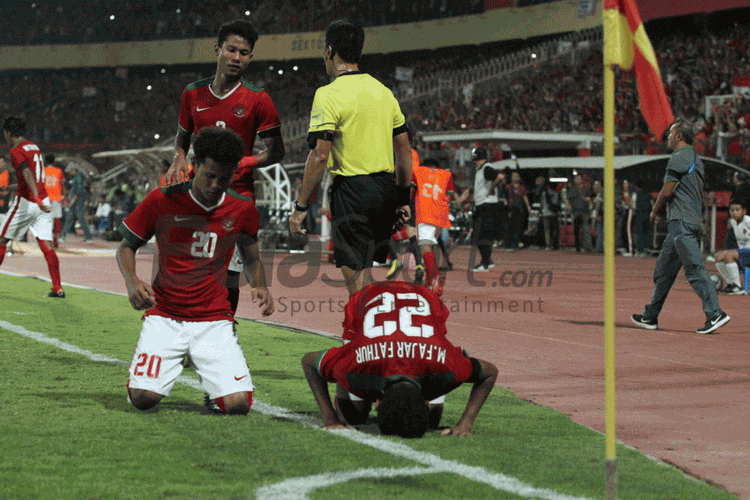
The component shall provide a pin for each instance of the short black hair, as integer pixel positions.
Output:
(480, 153)
(223, 146)
(15, 125)
(431, 162)
(240, 27)
(735, 201)
(347, 39)
(403, 411)
(49, 159)
(686, 129)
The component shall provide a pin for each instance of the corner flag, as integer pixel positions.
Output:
(626, 42)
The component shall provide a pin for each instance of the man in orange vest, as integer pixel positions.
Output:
(4, 184)
(54, 180)
(435, 191)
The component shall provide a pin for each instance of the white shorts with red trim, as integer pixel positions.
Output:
(24, 215)
(213, 348)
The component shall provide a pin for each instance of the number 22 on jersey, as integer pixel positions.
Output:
(374, 326)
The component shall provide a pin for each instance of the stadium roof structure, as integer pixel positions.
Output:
(519, 141)
(654, 162)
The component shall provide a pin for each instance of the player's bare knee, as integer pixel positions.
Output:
(144, 400)
(238, 403)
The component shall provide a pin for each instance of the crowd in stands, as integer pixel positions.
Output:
(137, 107)
(96, 21)
(123, 108)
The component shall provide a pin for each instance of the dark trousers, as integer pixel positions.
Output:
(682, 248)
(76, 212)
(515, 226)
(484, 234)
(579, 225)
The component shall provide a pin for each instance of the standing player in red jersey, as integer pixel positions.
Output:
(187, 308)
(30, 210)
(397, 354)
(228, 100)
(54, 181)
(435, 189)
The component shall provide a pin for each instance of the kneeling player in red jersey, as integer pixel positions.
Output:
(397, 354)
(196, 225)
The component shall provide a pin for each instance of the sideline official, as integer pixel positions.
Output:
(682, 194)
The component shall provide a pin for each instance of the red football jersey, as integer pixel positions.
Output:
(195, 247)
(431, 202)
(247, 110)
(393, 328)
(28, 152)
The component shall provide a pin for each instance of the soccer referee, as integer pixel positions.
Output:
(356, 124)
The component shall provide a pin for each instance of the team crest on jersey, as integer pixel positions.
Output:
(228, 224)
(239, 111)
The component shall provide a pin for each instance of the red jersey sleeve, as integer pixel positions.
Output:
(268, 117)
(185, 120)
(140, 225)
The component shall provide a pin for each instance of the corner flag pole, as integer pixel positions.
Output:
(609, 279)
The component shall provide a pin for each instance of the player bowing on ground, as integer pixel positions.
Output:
(187, 308)
(31, 208)
(398, 354)
(228, 100)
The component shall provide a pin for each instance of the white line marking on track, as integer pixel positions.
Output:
(297, 488)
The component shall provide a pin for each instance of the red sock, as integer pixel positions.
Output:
(431, 267)
(3, 249)
(53, 264)
(56, 228)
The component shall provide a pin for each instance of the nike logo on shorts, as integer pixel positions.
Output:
(198, 110)
(239, 378)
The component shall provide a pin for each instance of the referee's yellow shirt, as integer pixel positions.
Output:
(362, 114)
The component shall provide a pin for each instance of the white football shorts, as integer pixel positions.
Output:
(212, 345)
(427, 234)
(24, 215)
(57, 211)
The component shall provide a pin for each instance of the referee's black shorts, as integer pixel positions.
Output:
(363, 211)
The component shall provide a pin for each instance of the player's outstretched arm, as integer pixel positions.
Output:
(140, 294)
(319, 389)
(255, 273)
(402, 169)
(482, 388)
(315, 169)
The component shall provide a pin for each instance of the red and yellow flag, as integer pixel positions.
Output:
(626, 43)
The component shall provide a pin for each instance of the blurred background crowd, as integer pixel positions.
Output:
(101, 109)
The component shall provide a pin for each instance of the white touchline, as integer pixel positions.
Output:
(297, 488)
